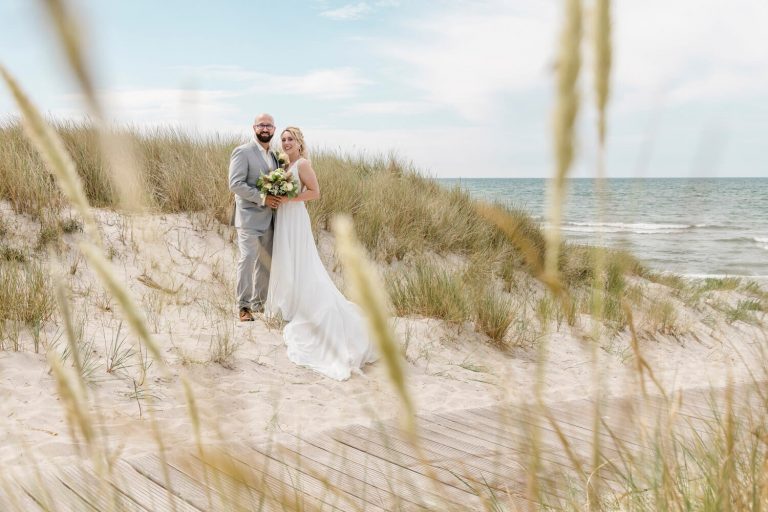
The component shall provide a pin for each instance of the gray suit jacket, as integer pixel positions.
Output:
(245, 167)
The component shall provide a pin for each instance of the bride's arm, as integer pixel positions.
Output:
(309, 179)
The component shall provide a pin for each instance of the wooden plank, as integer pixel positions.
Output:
(579, 437)
(504, 443)
(190, 488)
(447, 474)
(344, 475)
(506, 428)
(400, 495)
(627, 422)
(494, 461)
(273, 483)
(13, 498)
(322, 482)
(96, 491)
(628, 417)
(50, 494)
(484, 473)
(146, 492)
(438, 448)
(396, 476)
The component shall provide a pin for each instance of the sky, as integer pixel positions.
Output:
(459, 88)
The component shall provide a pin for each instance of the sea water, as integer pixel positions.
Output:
(692, 226)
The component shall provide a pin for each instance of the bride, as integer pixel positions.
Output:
(325, 331)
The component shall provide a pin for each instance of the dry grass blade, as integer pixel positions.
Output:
(66, 314)
(567, 106)
(151, 283)
(518, 231)
(124, 173)
(194, 412)
(642, 364)
(603, 61)
(133, 315)
(602, 42)
(51, 147)
(365, 285)
(74, 401)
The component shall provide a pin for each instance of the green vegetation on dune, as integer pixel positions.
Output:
(179, 172)
(399, 214)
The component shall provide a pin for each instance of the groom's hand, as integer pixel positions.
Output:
(273, 201)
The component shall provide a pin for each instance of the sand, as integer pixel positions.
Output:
(181, 268)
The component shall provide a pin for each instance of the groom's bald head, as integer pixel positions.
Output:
(264, 118)
(264, 127)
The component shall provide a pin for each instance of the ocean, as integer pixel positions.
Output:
(697, 227)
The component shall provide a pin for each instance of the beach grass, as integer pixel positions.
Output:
(25, 299)
(399, 214)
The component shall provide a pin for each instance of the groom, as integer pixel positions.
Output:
(254, 221)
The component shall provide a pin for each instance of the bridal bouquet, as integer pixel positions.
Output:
(277, 183)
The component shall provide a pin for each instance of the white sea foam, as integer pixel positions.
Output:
(641, 228)
(762, 280)
(761, 241)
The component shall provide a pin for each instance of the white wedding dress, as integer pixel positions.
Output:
(325, 332)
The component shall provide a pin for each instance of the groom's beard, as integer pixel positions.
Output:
(264, 137)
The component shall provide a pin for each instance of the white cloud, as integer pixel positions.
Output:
(437, 151)
(470, 56)
(348, 12)
(466, 59)
(331, 83)
(390, 108)
(186, 108)
(690, 50)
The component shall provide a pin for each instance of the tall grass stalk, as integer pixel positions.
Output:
(566, 109)
(72, 338)
(365, 286)
(124, 172)
(602, 72)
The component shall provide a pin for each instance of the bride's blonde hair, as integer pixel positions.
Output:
(296, 132)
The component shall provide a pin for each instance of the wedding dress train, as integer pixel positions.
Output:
(325, 331)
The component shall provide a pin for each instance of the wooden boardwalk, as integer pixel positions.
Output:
(474, 459)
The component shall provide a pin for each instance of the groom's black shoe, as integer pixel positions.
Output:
(246, 315)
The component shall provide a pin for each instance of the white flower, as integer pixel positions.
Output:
(288, 187)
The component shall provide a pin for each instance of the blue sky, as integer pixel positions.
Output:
(461, 88)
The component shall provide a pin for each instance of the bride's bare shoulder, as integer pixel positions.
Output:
(304, 163)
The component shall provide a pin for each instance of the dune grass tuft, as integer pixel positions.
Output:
(25, 298)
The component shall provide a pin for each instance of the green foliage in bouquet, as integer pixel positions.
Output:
(277, 183)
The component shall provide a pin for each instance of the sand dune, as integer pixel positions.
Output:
(181, 268)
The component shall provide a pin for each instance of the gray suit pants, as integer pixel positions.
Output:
(253, 267)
